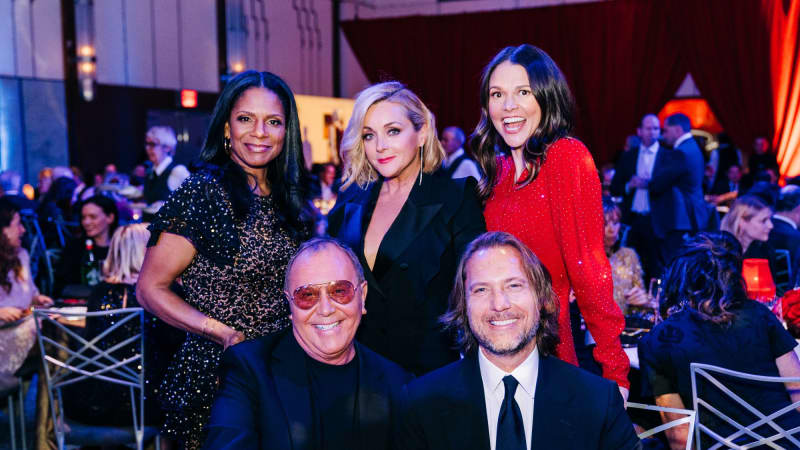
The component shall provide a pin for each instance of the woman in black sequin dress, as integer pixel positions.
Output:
(228, 233)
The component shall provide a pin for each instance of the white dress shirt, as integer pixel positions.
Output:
(467, 168)
(785, 219)
(644, 169)
(176, 177)
(494, 392)
(682, 139)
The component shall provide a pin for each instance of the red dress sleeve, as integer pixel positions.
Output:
(574, 193)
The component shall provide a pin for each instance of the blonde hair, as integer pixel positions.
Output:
(742, 210)
(357, 168)
(126, 254)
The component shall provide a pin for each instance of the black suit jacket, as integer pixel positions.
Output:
(264, 398)
(573, 409)
(783, 236)
(414, 270)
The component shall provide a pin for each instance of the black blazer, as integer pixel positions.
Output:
(415, 266)
(624, 170)
(264, 397)
(573, 409)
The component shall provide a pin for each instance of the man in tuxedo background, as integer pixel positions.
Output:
(631, 177)
(510, 392)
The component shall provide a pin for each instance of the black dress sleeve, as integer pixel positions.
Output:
(200, 210)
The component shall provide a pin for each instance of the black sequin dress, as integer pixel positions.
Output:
(236, 277)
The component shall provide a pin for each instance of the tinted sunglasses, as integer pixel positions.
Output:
(340, 291)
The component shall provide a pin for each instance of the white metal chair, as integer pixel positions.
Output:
(689, 419)
(67, 364)
(748, 435)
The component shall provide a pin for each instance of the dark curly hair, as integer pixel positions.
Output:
(456, 318)
(9, 257)
(552, 93)
(287, 176)
(706, 277)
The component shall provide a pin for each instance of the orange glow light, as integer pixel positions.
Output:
(86, 67)
(697, 109)
(238, 67)
(189, 98)
(86, 50)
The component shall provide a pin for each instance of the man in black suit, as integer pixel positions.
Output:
(510, 391)
(632, 173)
(784, 234)
(312, 384)
(676, 189)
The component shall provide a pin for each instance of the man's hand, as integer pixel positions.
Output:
(638, 182)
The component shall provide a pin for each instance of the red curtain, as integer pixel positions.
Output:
(784, 23)
(606, 51)
(726, 47)
(623, 59)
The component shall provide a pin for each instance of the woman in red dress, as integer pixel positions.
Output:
(542, 186)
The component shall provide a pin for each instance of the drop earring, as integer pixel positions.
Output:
(421, 165)
(226, 143)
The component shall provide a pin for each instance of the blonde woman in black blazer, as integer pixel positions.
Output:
(407, 226)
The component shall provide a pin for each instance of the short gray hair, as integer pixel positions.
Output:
(317, 244)
(163, 135)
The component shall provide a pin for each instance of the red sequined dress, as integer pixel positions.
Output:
(559, 216)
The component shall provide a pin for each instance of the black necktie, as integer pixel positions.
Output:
(510, 431)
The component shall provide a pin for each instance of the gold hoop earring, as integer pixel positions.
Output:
(421, 164)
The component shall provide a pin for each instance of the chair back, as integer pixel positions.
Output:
(783, 270)
(688, 419)
(765, 428)
(68, 358)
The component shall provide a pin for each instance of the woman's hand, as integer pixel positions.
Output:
(11, 313)
(232, 339)
(636, 296)
(42, 301)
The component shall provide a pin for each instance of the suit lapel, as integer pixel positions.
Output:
(465, 422)
(290, 374)
(551, 428)
(421, 206)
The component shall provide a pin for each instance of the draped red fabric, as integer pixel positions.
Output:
(785, 26)
(726, 47)
(623, 58)
(614, 55)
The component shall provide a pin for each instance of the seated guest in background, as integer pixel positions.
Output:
(312, 386)
(510, 391)
(749, 220)
(111, 405)
(726, 189)
(457, 164)
(165, 175)
(709, 319)
(761, 158)
(626, 271)
(43, 183)
(784, 234)
(17, 294)
(325, 188)
(11, 188)
(407, 227)
(99, 219)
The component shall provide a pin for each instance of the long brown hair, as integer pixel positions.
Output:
(456, 318)
(9, 255)
(552, 93)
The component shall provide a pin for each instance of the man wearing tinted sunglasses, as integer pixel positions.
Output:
(311, 386)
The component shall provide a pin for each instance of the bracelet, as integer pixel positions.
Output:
(205, 333)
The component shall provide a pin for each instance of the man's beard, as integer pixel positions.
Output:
(522, 340)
